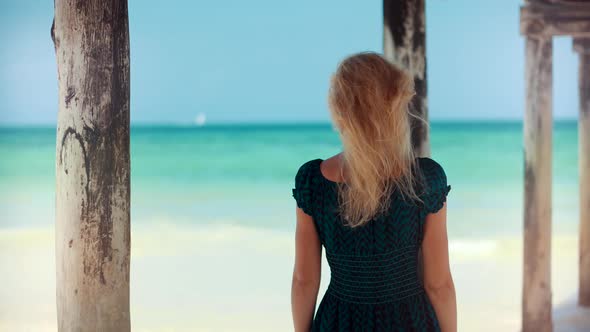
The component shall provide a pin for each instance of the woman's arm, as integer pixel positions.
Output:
(306, 273)
(438, 281)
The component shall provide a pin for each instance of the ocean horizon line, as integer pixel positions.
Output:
(284, 124)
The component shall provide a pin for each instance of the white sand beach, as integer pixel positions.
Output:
(230, 278)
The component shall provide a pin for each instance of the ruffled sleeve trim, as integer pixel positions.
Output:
(302, 192)
(436, 199)
(437, 189)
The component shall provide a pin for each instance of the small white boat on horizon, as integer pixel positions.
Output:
(200, 119)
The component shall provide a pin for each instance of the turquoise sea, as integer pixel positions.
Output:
(213, 223)
(243, 174)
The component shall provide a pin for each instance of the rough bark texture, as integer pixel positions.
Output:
(536, 302)
(91, 39)
(582, 46)
(404, 43)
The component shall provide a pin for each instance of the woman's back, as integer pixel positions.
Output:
(393, 205)
(374, 282)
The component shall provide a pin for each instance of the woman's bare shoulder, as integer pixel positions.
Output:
(330, 168)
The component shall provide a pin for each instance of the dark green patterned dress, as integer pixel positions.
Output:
(374, 282)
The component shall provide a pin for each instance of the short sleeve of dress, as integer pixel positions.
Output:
(303, 187)
(436, 190)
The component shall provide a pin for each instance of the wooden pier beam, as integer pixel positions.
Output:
(582, 47)
(404, 43)
(536, 297)
(92, 231)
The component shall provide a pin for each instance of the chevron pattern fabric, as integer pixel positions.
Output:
(374, 284)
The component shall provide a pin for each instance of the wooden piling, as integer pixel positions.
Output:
(582, 47)
(404, 43)
(92, 231)
(536, 302)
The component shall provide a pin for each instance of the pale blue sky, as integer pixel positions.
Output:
(270, 61)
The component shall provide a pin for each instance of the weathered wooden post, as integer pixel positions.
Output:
(582, 46)
(92, 241)
(536, 296)
(540, 20)
(537, 180)
(404, 42)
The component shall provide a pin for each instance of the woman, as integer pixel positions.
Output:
(373, 207)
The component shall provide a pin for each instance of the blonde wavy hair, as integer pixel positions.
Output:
(368, 101)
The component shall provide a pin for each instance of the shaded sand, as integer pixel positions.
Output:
(571, 318)
(230, 278)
